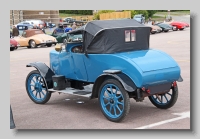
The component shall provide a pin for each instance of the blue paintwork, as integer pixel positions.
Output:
(35, 87)
(144, 67)
(110, 101)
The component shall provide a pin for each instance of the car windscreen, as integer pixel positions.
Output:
(22, 27)
(74, 37)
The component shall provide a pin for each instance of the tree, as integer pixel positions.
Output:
(151, 12)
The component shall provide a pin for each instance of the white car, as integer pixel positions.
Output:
(35, 22)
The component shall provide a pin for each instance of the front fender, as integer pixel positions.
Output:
(126, 82)
(45, 72)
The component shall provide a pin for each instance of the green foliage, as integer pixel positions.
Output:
(171, 10)
(151, 12)
(82, 12)
(97, 15)
(144, 12)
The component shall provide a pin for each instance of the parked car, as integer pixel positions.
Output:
(50, 25)
(154, 29)
(36, 22)
(178, 25)
(33, 37)
(140, 18)
(60, 35)
(13, 44)
(186, 24)
(96, 63)
(165, 27)
(22, 27)
(70, 20)
(23, 23)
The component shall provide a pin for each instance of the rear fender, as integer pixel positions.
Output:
(180, 79)
(45, 72)
(126, 82)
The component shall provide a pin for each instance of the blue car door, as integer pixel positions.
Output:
(79, 66)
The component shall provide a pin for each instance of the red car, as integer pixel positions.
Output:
(179, 25)
(13, 44)
(186, 24)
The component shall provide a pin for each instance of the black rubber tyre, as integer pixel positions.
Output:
(12, 48)
(115, 102)
(170, 99)
(175, 29)
(32, 44)
(49, 45)
(35, 86)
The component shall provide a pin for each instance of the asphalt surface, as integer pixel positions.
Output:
(63, 111)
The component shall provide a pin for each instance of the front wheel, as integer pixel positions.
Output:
(36, 88)
(12, 48)
(32, 44)
(113, 100)
(165, 101)
(49, 45)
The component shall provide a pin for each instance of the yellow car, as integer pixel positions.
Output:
(33, 37)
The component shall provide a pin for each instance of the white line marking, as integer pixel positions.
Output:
(182, 116)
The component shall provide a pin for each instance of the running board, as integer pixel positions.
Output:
(86, 92)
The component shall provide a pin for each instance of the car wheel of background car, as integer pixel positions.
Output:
(36, 88)
(49, 45)
(165, 101)
(32, 44)
(12, 48)
(175, 29)
(113, 100)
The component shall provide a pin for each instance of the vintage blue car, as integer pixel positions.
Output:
(109, 60)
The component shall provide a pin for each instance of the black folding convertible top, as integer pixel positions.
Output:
(108, 36)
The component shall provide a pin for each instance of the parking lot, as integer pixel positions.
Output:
(70, 112)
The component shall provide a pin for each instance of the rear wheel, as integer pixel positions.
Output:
(113, 100)
(36, 88)
(165, 101)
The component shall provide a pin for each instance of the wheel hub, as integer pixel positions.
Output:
(38, 87)
(112, 101)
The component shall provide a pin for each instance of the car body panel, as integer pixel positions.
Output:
(59, 34)
(154, 28)
(133, 64)
(144, 66)
(37, 35)
(179, 25)
(164, 26)
(13, 44)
